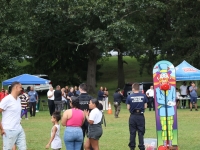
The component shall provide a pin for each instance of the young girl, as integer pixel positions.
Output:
(94, 128)
(55, 140)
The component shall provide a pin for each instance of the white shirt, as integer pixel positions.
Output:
(56, 143)
(95, 115)
(183, 89)
(178, 95)
(11, 115)
(150, 92)
(63, 97)
(49, 93)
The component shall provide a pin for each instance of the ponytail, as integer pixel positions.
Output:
(96, 102)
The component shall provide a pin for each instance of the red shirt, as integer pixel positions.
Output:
(2, 95)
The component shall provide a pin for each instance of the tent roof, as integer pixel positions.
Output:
(185, 72)
(26, 79)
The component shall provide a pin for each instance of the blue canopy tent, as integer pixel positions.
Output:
(26, 79)
(185, 72)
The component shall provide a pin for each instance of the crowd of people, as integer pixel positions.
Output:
(187, 93)
(83, 116)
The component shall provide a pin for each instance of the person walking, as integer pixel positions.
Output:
(58, 99)
(117, 101)
(150, 95)
(136, 104)
(33, 99)
(94, 128)
(10, 126)
(73, 119)
(193, 96)
(84, 100)
(55, 141)
(50, 96)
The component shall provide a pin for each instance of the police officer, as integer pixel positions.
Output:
(136, 103)
(84, 99)
(117, 100)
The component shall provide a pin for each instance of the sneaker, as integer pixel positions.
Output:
(185, 107)
(181, 107)
(196, 109)
(26, 118)
(190, 109)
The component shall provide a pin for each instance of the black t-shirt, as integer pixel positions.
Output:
(57, 95)
(117, 97)
(84, 99)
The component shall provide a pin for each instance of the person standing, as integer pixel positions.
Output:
(193, 96)
(24, 103)
(94, 128)
(73, 119)
(58, 99)
(2, 94)
(84, 100)
(33, 99)
(100, 97)
(64, 99)
(117, 100)
(150, 95)
(183, 90)
(50, 96)
(10, 126)
(69, 95)
(55, 141)
(106, 93)
(136, 104)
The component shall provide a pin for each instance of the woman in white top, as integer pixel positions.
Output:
(94, 128)
(55, 140)
(64, 98)
(50, 95)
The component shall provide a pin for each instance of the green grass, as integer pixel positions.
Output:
(116, 134)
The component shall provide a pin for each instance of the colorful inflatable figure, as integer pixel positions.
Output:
(164, 74)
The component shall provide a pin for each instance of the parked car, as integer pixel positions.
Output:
(40, 87)
(111, 53)
(127, 90)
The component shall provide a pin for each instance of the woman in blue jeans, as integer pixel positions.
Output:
(73, 119)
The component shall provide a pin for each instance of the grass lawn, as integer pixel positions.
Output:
(116, 134)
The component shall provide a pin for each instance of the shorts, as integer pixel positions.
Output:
(95, 131)
(193, 99)
(12, 137)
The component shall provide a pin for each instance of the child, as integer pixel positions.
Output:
(177, 97)
(55, 140)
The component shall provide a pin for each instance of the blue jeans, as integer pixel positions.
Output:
(12, 137)
(73, 138)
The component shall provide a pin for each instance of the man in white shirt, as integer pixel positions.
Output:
(183, 90)
(11, 128)
(50, 95)
(150, 95)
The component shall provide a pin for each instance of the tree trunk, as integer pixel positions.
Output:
(91, 72)
(121, 80)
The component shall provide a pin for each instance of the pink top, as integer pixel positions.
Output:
(77, 118)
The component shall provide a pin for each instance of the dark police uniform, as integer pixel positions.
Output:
(117, 100)
(136, 120)
(84, 100)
